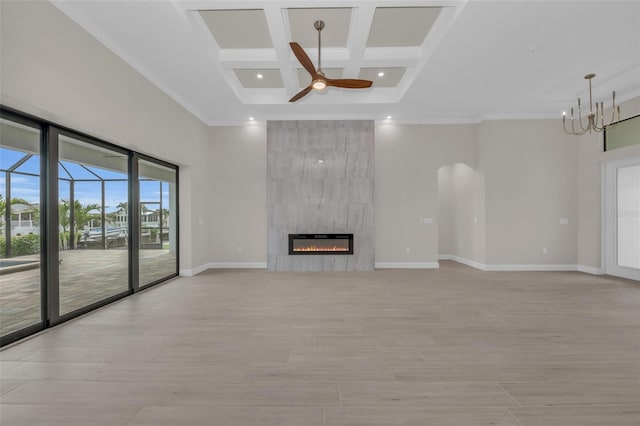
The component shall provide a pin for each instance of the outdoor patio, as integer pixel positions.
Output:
(86, 277)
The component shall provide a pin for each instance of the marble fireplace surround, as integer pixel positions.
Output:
(320, 179)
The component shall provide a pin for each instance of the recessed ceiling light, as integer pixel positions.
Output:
(381, 74)
(259, 76)
(388, 117)
(320, 161)
(251, 119)
(533, 47)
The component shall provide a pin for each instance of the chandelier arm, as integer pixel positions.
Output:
(613, 109)
(590, 96)
(602, 122)
(584, 129)
(580, 116)
(597, 117)
(582, 132)
(573, 129)
(564, 127)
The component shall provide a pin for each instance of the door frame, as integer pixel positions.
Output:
(609, 216)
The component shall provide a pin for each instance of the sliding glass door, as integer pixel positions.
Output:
(158, 222)
(93, 227)
(83, 222)
(20, 230)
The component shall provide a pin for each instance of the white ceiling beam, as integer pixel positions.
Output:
(361, 20)
(278, 23)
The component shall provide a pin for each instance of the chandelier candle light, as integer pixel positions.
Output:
(595, 118)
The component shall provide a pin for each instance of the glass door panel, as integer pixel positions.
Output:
(88, 224)
(117, 231)
(158, 213)
(20, 232)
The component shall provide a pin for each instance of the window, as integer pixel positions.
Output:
(82, 221)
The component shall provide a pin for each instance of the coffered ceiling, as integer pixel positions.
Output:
(242, 35)
(430, 61)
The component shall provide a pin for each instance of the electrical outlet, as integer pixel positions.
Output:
(240, 249)
(544, 250)
(408, 249)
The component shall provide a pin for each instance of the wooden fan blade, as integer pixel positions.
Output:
(301, 94)
(349, 83)
(303, 58)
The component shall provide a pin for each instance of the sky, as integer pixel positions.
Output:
(27, 187)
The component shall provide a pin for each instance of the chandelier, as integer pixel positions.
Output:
(595, 118)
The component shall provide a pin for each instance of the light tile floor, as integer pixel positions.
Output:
(453, 346)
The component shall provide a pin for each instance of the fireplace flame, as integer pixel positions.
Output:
(314, 248)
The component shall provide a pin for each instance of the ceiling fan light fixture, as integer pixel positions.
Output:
(319, 81)
(319, 84)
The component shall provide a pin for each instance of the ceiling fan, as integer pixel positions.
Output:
(319, 81)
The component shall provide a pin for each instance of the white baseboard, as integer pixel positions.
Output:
(590, 270)
(526, 267)
(237, 265)
(462, 260)
(194, 271)
(407, 265)
(412, 265)
(531, 267)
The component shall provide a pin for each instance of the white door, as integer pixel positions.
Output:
(622, 218)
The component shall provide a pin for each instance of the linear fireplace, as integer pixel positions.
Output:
(320, 243)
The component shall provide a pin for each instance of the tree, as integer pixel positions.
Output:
(17, 200)
(64, 218)
(82, 216)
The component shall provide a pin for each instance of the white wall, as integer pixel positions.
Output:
(52, 68)
(517, 178)
(445, 221)
(530, 170)
(407, 161)
(406, 188)
(462, 212)
(237, 192)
